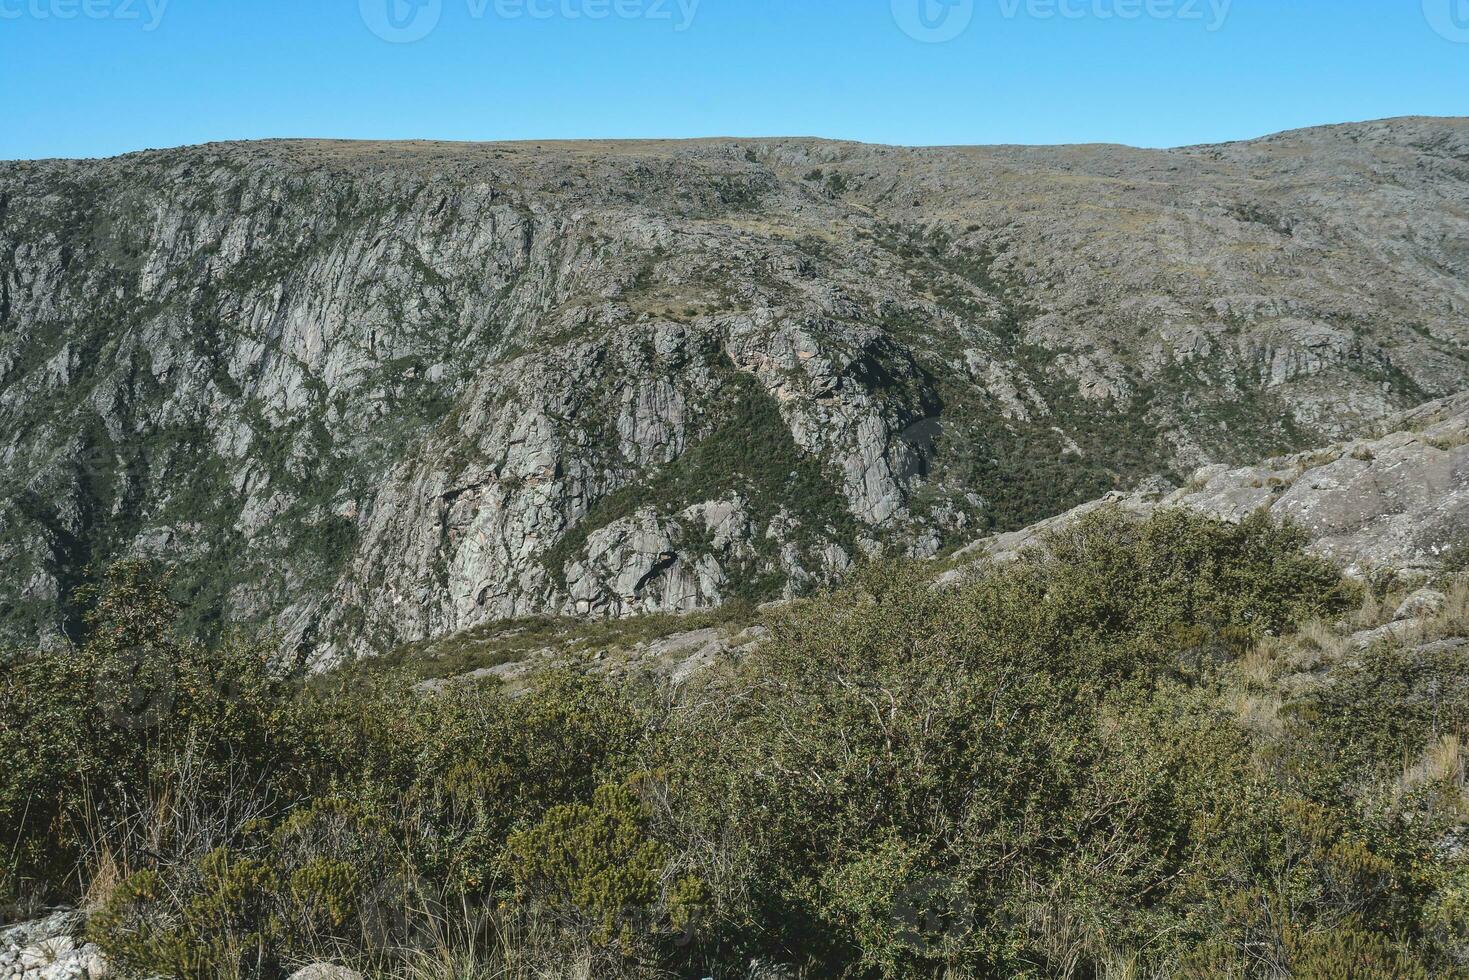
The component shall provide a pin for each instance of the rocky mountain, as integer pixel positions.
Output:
(368, 394)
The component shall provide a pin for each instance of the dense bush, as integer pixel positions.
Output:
(98, 738)
(1042, 771)
(597, 864)
(1025, 773)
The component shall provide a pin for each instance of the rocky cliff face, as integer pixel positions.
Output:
(366, 394)
(1391, 508)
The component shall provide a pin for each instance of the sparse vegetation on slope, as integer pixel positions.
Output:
(1101, 760)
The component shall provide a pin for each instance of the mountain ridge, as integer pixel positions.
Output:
(656, 141)
(371, 398)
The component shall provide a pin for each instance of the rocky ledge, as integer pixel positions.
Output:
(1395, 503)
(367, 395)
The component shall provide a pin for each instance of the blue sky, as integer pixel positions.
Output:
(96, 77)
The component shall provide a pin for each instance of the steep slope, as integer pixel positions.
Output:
(1393, 502)
(1392, 507)
(367, 394)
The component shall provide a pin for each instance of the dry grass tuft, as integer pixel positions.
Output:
(1375, 611)
(1454, 619)
(1449, 442)
(1318, 642)
(1444, 764)
(1259, 713)
(105, 874)
(470, 943)
(1261, 665)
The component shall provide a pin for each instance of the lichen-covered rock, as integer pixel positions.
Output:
(1421, 604)
(325, 971)
(62, 922)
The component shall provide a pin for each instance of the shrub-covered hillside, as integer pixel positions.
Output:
(1169, 748)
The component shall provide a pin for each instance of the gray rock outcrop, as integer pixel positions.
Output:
(47, 949)
(325, 971)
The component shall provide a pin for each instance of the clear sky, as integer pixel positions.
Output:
(97, 77)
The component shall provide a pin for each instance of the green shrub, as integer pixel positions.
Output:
(1354, 954)
(339, 870)
(596, 865)
(133, 716)
(1382, 709)
(1018, 749)
(326, 880)
(213, 921)
(487, 765)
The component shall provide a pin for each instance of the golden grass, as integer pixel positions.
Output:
(1375, 611)
(1444, 764)
(1259, 713)
(1319, 642)
(1448, 443)
(104, 876)
(500, 951)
